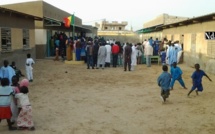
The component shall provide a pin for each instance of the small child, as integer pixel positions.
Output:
(164, 82)
(28, 67)
(197, 80)
(17, 71)
(163, 56)
(6, 93)
(13, 106)
(25, 116)
(176, 75)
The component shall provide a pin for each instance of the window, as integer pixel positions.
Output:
(5, 39)
(106, 28)
(120, 28)
(26, 39)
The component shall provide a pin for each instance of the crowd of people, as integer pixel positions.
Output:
(15, 106)
(98, 53)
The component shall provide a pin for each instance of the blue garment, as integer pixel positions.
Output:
(176, 72)
(163, 56)
(5, 96)
(164, 81)
(148, 60)
(172, 56)
(151, 42)
(78, 54)
(57, 43)
(197, 77)
(7, 72)
(176, 75)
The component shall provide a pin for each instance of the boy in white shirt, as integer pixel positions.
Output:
(28, 67)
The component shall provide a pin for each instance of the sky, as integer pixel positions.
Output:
(135, 12)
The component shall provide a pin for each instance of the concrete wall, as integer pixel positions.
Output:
(123, 38)
(18, 54)
(163, 19)
(196, 48)
(154, 35)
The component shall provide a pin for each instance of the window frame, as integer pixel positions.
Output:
(7, 46)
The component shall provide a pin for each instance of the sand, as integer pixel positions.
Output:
(111, 101)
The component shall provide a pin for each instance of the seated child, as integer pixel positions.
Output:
(6, 93)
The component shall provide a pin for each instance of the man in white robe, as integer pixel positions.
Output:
(148, 52)
(133, 57)
(179, 50)
(108, 56)
(172, 54)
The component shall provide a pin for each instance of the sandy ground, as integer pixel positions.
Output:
(112, 101)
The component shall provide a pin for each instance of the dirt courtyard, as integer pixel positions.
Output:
(111, 101)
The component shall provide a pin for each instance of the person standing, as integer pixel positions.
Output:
(57, 47)
(172, 55)
(127, 57)
(28, 67)
(197, 80)
(115, 51)
(107, 60)
(95, 52)
(102, 53)
(89, 51)
(6, 93)
(78, 50)
(148, 53)
(139, 53)
(164, 81)
(133, 57)
(25, 115)
(7, 71)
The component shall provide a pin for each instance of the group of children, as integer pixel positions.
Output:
(166, 80)
(15, 106)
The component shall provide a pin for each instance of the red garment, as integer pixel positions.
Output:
(115, 49)
(5, 113)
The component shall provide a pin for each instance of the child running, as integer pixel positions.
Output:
(164, 82)
(24, 119)
(6, 93)
(197, 80)
(176, 75)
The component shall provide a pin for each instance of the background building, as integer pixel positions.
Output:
(52, 22)
(116, 31)
(17, 36)
(152, 27)
(191, 33)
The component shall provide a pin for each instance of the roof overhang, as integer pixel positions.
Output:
(150, 29)
(51, 22)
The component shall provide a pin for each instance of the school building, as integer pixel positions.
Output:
(17, 36)
(52, 21)
(191, 33)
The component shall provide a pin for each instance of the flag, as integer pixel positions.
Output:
(69, 21)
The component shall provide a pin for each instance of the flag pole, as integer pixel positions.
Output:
(73, 35)
(73, 26)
